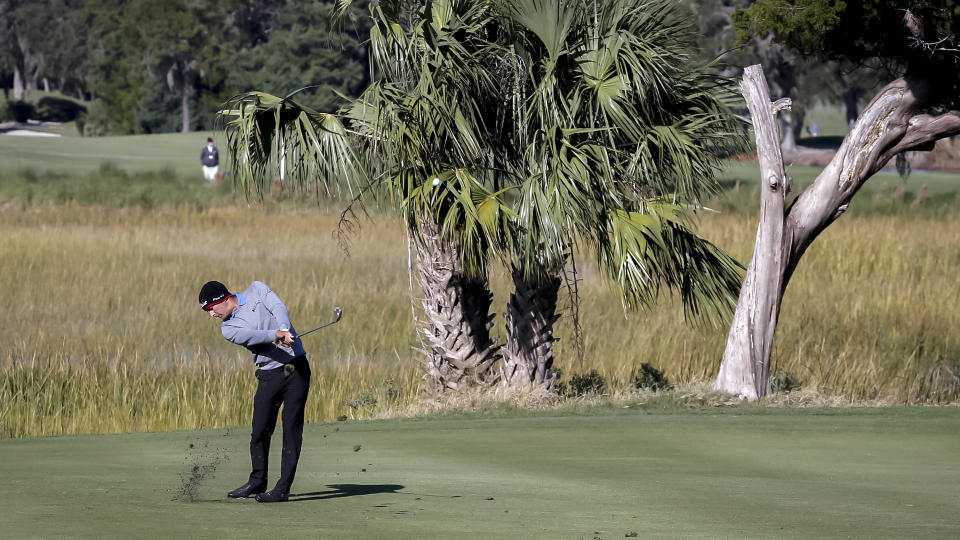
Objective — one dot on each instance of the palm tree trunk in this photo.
(531, 314)
(455, 337)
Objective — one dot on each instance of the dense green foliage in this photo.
(153, 67)
(303, 51)
(918, 39)
(857, 30)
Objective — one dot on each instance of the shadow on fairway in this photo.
(345, 490)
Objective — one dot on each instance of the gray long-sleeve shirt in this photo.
(255, 323)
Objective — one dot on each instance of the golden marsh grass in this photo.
(101, 331)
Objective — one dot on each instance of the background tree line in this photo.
(142, 66)
(150, 67)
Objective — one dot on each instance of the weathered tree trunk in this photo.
(890, 124)
(457, 347)
(743, 370)
(185, 107)
(30, 64)
(531, 314)
(17, 84)
(788, 144)
(850, 98)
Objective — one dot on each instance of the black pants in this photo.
(288, 386)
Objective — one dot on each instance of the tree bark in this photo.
(455, 336)
(788, 143)
(17, 84)
(850, 105)
(30, 63)
(743, 370)
(185, 107)
(890, 124)
(531, 314)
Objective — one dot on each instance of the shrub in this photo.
(392, 392)
(96, 120)
(81, 122)
(650, 378)
(54, 109)
(364, 401)
(586, 383)
(782, 381)
(20, 111)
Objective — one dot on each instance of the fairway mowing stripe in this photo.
(86, 155)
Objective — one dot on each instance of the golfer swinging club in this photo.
(258, 320)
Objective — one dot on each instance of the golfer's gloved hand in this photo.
(284, 337)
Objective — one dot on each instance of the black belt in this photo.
(289, 367)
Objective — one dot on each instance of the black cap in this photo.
(212, 293)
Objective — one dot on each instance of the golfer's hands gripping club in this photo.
(284, 337)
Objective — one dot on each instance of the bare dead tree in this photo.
(893, 122)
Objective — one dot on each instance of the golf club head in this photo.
(337, 313)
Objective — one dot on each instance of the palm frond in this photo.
(339, 9)
(651, 250)
(544, 122)
(550, 21)
(271, 137)
(707, 278)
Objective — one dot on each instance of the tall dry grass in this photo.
(870, 313)
(102, 333)
(102, 330)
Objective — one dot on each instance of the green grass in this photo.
(179, 152)
(745, 472)
(831, 120)
(937, 184)
(110, 186)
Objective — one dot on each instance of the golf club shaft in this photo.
(336, 313)
(315, 329)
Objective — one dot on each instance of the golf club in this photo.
(337, 312)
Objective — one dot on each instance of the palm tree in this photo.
(517, 130)
(619, 135)
(416, 132)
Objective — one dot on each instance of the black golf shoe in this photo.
(246, 490)
(273, 496)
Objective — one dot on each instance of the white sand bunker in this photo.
(28, 133)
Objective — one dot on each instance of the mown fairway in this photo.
(734, 473)
(138, 153)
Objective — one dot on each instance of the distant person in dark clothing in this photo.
(210, 159)
(258, 320)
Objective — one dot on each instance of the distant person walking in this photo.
(210, 159)
(258, 320)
